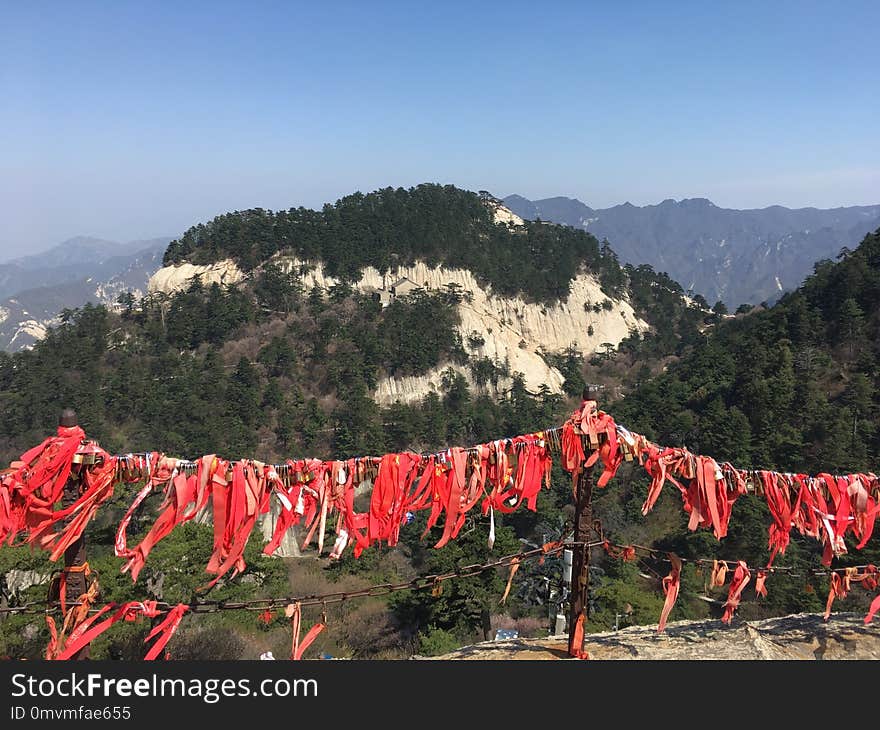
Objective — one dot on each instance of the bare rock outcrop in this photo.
(170, 279)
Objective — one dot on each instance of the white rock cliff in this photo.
(514, 331)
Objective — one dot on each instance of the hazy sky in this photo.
(133, 120)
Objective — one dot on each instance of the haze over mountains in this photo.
(738, 256)
(35, 289)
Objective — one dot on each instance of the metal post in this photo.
(75, 556)
(580, 573)
(583, 521)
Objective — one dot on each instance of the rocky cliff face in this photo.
(509, 331)
(170, 279)
(503, 214)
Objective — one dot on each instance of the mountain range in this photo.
(36, 288)
(736, 256)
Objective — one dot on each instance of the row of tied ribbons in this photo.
(319, 494)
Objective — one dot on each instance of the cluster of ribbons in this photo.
(32, 487)
(823, 507)
(741, 577)
(30, 492)
(81, 627)
(319, 495)
(841, 581)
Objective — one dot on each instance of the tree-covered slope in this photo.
(794, 387)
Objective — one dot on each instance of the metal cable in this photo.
(662, 555)
(380, 589)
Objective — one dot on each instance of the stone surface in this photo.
(799, 636)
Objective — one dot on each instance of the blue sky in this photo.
(129, 120)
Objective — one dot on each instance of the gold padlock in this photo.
(87, 454)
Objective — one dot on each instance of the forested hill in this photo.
(271, 367)
(531, 290)
(795, 387)
(393, 227)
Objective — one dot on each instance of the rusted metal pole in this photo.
(74, 577)
(580, 569)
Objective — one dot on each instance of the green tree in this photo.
(852, 320)
(462, 607)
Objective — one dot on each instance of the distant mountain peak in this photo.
(86, 241)
(79, 270)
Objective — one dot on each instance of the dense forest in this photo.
(794, 387)
(270, 370)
